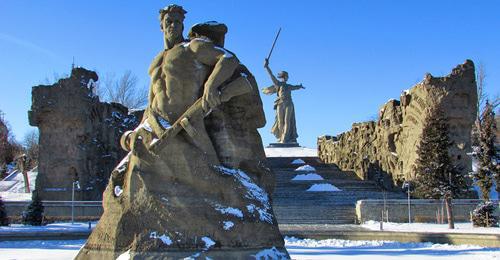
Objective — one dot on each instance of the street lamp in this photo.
(77, 184)
(406, 186)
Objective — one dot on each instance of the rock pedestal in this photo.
(182, 202)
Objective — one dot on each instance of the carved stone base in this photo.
(228, 253)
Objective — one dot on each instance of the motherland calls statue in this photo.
(194, 183)
(284, 127)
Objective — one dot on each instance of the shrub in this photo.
(4, 219)
(483, 215)
(33, 215)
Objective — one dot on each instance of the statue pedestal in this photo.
(283, 145)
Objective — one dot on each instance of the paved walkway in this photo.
(313, 231)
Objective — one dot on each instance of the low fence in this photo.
(341, 232)
(426, 211)
(58, 210)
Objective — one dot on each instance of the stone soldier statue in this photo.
(284, 127)
(189, 186)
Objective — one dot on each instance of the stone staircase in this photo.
(294, 205)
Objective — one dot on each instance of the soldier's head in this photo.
(283, 75)
(213, 30)
(172, 24)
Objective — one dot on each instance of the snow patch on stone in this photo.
(228, 225)
(298, 161)
(229, 211)
(213, 23)
(208, 242)
(118, 191)
(166, 240)
(271, 253)
(323, 187)
(226, 55)
(122, 166)
(154, 141)
(251, 208)
(163, 122)
(254, 192)
(124, 256)
(305, 168)
(307, 177)
(145, 125)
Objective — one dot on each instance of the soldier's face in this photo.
(172, 25)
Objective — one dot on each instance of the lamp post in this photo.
(406, 185)
(77, 184)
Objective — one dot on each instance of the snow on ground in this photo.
(429, 227)
(271, 253)
(381, 250)
(291, 152)
(371, 225)
(14, 196)
(305, 168)
(323, 187)
(54, 227)
(12, 187)
(38, 249)
(14, 182)
(307, 177)
(298, 248)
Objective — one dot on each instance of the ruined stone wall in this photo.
(388, 147)
(79, 136)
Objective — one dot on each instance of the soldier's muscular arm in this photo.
(224, 64)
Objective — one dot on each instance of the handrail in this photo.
(425, 201)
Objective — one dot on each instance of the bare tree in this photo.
(125, 90)
(30, 143)
(481, 95)
(4, 139)
(9, 148)
(55, 78)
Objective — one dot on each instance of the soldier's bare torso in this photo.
(177, 81)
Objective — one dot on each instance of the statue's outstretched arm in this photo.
(269, 90)
(296, 87)
(224, 64)
(273, 78)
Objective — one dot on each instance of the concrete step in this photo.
(293, 204)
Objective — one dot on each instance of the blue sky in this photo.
(352, 56)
